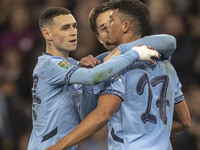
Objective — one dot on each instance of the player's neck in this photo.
(129, 38)
(55, 52)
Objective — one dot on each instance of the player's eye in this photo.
(65, 27)
(103, 28)
(75, 25)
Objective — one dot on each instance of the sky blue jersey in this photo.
(53, 101)
(144, 118)
(163, 43)
(55, 98)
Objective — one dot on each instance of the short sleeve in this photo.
(58, 71)
(178, 93)
(115, 86)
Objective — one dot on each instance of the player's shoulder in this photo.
(140, 65)
(49, 59)
(167, 65)
(48, 63)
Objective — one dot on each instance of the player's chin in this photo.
(72, 49)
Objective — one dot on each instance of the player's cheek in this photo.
(61, 40)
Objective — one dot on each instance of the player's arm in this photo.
(92, 123)
(165, 44)
(106, 70)
(182, 118)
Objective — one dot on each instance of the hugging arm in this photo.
(165, 44)
(92, 123)
(106, 70)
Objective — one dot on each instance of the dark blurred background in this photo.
(21, 43)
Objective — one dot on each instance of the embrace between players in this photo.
(138, 94)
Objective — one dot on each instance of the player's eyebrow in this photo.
(65, 26)
(68, 25)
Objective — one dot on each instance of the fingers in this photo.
(150, 47)
(159, 55)
(155, 54)
(93, 60)
(145, 53)
(89, 62)
(153, 62)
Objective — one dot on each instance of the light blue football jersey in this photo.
(53, 100)
(163, 43)
(144, 118)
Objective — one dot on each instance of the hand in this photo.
(146, 52)
(89, 62)
(112, 54)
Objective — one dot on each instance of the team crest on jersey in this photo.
(64, 64)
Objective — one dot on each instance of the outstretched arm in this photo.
(104, 71)
(165, 44)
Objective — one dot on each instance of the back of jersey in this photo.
(144, 119)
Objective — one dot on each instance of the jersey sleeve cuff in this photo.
(69, 74)
(113, 92)
(179, 99)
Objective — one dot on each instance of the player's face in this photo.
(64, 33)
(102, 23)
(109, 26)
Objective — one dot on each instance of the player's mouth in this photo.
(73, 41)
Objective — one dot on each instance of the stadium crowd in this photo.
(21, 43)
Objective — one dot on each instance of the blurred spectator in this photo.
(5, 128)
(87, 43)
(17, 121)
(20, 33)
(15, 70)
(184, 55)
(159, 10)
(167, 17)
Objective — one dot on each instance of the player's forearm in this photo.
(182, 119)
(177, 127)
(163, 43)
(103, 71)
(106, 70)
(94, 122)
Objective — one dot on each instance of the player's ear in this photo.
(47, 34)
(99, 39)
(126, 26)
